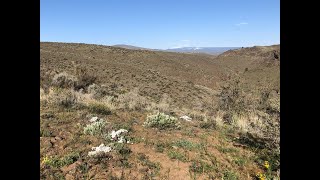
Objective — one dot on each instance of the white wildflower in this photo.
(187, 118)
(121, 140)
(96, 150)
(115, 134)
(93, 119)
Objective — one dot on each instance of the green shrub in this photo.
(60, 162)
(95, 128)
(160, 147)
(272, 156)
(45, 133)
(201, 167)
(146, 162)
(240, 161)
(187, 145)
(177, 155)
(162, 121)
(70, 158)
(122, 149)
(99, 109)
(229, 175)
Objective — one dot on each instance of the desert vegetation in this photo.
(93, 127)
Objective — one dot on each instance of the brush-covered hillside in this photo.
(116, 113)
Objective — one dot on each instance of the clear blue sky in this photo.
(162, 23)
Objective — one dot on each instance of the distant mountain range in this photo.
(129, 46)
(207, 50)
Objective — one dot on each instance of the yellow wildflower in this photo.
(261, 176)
(266, 164)
(45, 160)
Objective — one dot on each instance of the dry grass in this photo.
(64, 80)
(149, 82)
(132, 101)
(218, 118)
(61, 97)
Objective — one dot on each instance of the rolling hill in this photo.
(219, 115)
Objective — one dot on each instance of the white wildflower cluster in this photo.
(96, 127)
(161, 121)
(102, 149)
(119, 136)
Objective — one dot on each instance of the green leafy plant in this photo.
(229, 175)
(95, 128)
(177, 155)
(185, 144)
(154, 167)
(60, 162)
(162, 121)
(201, 167)
(45, 133)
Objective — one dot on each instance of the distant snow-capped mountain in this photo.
(207, 50)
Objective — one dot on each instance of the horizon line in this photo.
(155, 48)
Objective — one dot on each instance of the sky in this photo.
(162, 24)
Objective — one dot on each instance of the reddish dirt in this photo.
(173, 169)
